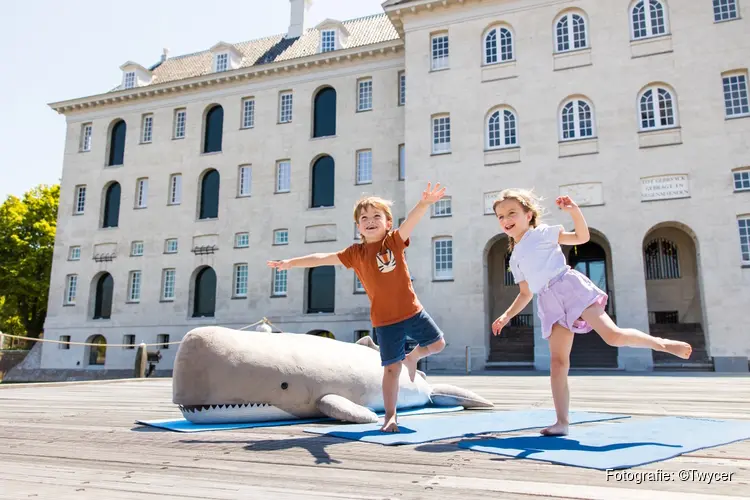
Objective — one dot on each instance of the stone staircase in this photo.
(692, 333)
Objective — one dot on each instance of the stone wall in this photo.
(9, 359)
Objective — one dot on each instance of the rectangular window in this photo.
(285, 107)
(742, 180)
(248, 112)
(442, 208)
(364, 167)
(735, 95)
(222, 62)
(401, 88)
(279, 282)
(327, 40)
(130, 80)
(241, 240)
(744, 227)
(180, 116)
(134, 286)
(175, 189)
(129, 341)
(283, 176)
(364, 100)
(401, 162)
(136, 249)
(358, 286)
(244, 181)
(147, 128)
(74, 253)
(80, 199)
(724, 10)
(71, 287)
(86, 130)
(281, 237)
(66, 345)
(170, 245)
(240, 280)
(443, 257)
(439, 51)
(167, 284)
(141, 193)
(163, 340)
(441, 134)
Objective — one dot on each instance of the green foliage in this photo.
(27, 236)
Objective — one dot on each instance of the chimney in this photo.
(297, 17)
(165, 55)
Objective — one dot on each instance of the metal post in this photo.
(468, 359)
(141, 359)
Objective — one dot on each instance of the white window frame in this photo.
(240, 280)
(439, 144)
(402, 88)
(180, 123)
(501, 129)
(443, 207)
(358, 286)
(578, 129)
(327, 41)
(569, 32)
(655, 108)
(129, 340)
(741, 178)
(244, 180)
(134, 286)
(169, 242)
(445, 245)
(248, 113)
(497, 51)
(80, 200)
(242, 240)
(141, 192)
(279, 282)
(439, 51)
(65, 343)
(86, 132)
(364, 166)
(280, 237)
(71, 289)
(283, 176)
(743, 222)
(136, 248)
(163, 340)
(649, 22)
(402, 162)
(168, 284)
(147, 128)
(740, 86)
(175, 189)
(128, 80)
(286, 106)
(74, 253)
(726, 10)
(222, 62)
(364, 94)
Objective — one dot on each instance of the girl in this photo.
(568, 301)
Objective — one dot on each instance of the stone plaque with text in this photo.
(665, 187)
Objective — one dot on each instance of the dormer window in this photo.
(328, 40)
(226, 57)
(134, 75)
(333, 35)
(130, 79)
(222, 62)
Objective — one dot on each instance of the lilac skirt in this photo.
(565, 298)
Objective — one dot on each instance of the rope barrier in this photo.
(264, 320)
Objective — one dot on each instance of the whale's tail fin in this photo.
(450, 395)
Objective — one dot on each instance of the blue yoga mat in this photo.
(619, 445)
(182, 425)
(423, 430)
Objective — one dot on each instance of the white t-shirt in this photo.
(538, 258)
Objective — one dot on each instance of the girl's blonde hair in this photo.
(376, 203)
(528, 200)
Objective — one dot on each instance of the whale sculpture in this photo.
(223, 375)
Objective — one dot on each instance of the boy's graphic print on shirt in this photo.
(386, 262)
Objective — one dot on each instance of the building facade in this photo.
(194, 172)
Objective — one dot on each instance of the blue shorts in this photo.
(392, 338)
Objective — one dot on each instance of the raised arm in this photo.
(312, 260)
(429, 196)
(580, 234)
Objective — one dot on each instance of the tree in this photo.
(27, 241)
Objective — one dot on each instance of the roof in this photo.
(362, 31)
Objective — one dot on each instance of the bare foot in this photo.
(679, 349)
(555, 430)
(411, 366)
(390, 424)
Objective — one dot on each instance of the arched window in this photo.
(648, 18)
(105, 286)
(111, 215)
(321, 289)
(97, 353)
(571, 32)
(658, 108)
(661, 260)
(323, 173)
(117, 143)
(501, 129)
(204, 298)
(214, 129)
(209, 195)
(576, 120)
(324, 113)
(494, 53)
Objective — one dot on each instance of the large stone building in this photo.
(182, 182)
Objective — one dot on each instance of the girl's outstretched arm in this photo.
(312, 260)
(580, 234)
(518, 305)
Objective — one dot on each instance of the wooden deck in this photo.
(79, 441)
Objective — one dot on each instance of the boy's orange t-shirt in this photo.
(382, 269)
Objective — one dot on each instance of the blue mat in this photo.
(182, 425)
(423, 430)
(619, 445)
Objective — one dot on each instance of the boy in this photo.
(395, 310)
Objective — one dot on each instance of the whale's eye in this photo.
(284, 385)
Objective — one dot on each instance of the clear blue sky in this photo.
(52, 50)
